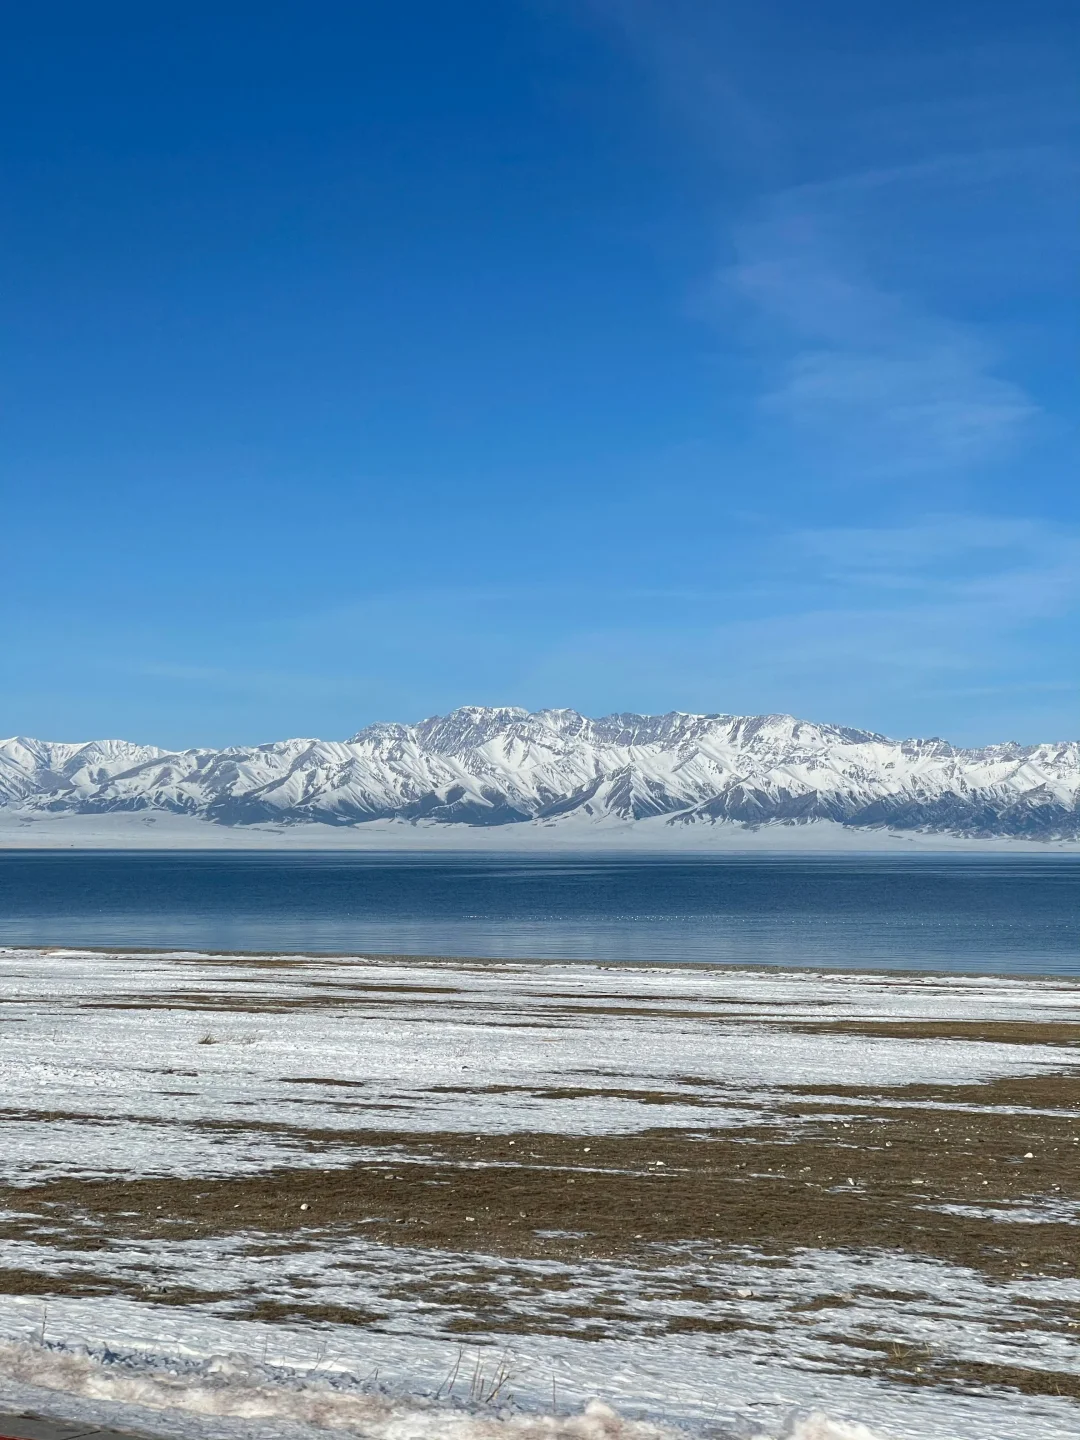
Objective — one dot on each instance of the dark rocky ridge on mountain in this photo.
(484, 767)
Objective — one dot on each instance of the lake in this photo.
(970, 912)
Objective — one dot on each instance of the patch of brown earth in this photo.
(1034, 1092)
(997, 1032)
(856, 1180)
(922, 1365)
(80, 1283)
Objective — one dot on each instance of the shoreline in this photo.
(391, 959)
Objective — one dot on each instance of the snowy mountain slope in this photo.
(480, 766)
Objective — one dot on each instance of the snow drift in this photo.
(202, 1393)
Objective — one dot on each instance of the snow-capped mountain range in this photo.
(482, 767)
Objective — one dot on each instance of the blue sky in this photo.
(359, 361)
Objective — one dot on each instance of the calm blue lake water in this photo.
(971, 913)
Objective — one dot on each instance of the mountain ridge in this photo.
(485, 766)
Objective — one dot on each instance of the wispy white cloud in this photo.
(954, 168)
(895, 627)
(956, 593)
(878, 385)
(872, 377)
(961, 624)
(948, 553)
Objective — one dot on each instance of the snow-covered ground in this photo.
(145, 1099)
(30, 830)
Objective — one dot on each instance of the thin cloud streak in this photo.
(903, 629)
(886, 622)
(871, 384)
(879, 386)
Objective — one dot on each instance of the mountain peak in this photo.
(497, 765)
